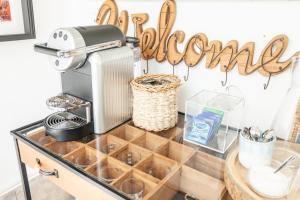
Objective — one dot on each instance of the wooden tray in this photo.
(235, 177)
(168, 168)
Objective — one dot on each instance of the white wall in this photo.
(25, 82)
(26, 79)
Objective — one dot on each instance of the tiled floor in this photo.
(41, 189)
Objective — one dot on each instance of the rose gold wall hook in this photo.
(266, 85)
(147, 66)
(224, 83)
(173, 66)
(186, 77)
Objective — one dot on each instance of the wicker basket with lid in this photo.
(155, 101)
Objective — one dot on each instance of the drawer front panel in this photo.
(67, 180)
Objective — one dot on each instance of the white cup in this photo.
(252, 153)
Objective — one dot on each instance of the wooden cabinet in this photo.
(66, 179)
(169, 169)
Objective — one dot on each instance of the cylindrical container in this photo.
(133, 43)
(286, 122)
(265, 182)
(252, 153)
(155, 101)
(133, 188)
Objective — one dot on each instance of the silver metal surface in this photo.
(289, 159)
(56, 44)
(112, 71)
(68, 48)
(89, 49)
(43, 48)
(64, 120)
(66, 102)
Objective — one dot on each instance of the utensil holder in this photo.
(252, 153)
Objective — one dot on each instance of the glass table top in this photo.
(138, 164)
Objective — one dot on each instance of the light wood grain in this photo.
(149, 185)
(68, 181)
(201, 185)
(150, 141)
(161, 44)
(166, 167)
(127, 132)
(236, 177)
(207, 164)
(176, 151)
(108, 13)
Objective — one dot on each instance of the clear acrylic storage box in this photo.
(212, 120)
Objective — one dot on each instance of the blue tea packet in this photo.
(205, 126)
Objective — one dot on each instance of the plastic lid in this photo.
(133, 40)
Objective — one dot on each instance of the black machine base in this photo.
(71, 134)
(65, 126)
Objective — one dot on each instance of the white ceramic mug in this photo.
(255, 153)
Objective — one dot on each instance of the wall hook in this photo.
(226, 78)
(147, 67)
(266, 85)
(186, 78)
(173, 66)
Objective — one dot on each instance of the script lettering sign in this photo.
(161, 44)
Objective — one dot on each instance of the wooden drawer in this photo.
(67, 180)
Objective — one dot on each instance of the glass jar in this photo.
(282, 184)
(286, 119)
(133, 43)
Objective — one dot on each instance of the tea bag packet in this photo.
(205, 126)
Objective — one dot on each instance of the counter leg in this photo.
(23, 172)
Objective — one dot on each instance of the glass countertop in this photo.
(137, 164)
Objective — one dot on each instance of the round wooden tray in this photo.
(235, 177)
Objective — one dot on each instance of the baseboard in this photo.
(17, 186)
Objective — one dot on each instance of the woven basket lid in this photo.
(156, 83)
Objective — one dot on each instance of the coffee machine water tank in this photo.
(96, 66)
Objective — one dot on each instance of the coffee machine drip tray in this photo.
(66, 126)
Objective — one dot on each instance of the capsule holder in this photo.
(84, 157)
(166, 165)
(175, 151)
(131, 154)
(127, 132)
(150, 141)
(63, 148)
(107, 144)
(108, 170)
(39, 137)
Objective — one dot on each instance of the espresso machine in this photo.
(96, 68)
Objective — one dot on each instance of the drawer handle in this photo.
(45, 172)
(189, 197)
